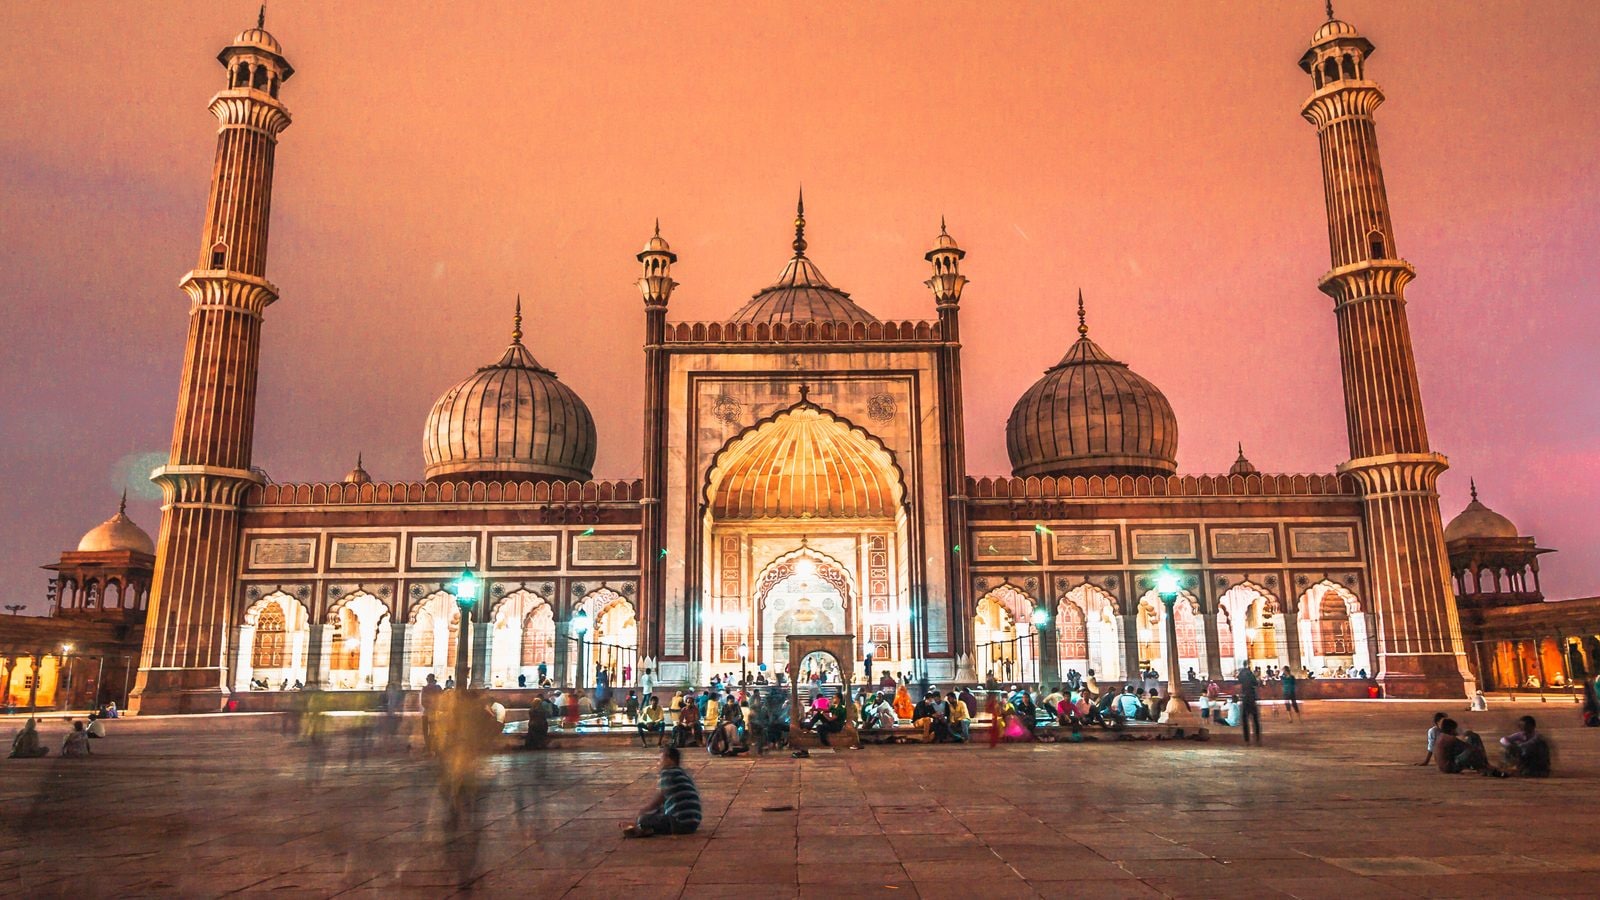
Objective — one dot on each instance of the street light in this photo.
(744, 667)
(465, 588)
(580, 624)
(1167, 586)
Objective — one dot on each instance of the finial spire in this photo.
(942, 229)
(122, 508)
(261, 16)
(516, 323)
(1241, 449)
(1083, 326)
(805, 391)
(358, 460)
(1330, 10)
(800, 224)
(1474, 483)
(658, 226)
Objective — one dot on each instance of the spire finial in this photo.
(1083, 326)
(122, 508)
(261, 16)
(358, 460)
(1330, 10)
(1474, 483)
(805, 392)
(942, 229)
(516, 323)
(800, 224)
(1241, 449)
(658, 226)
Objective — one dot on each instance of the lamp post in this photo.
(1041, 625)
(1167, 587)
(465, 588)
(580, 625)
(744, 663)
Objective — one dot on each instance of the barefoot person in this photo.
(675, 808)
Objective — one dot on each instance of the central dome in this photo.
(801, 293)
(1479, 522)
(510, 420)
(1092, 415)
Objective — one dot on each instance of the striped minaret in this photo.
(208, 470)
(1419, 636)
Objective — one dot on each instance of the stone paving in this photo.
(1332, 807)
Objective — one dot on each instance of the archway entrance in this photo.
(803, 592)
(1005, 640)
(840, 649)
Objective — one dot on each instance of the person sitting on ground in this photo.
(1480, 703)
(1462, 752)
(881, 715)
(725, 740)
(675, 808)
(688, 727)
(1232, 712)
(1125, 707)
(960, 718)
(76, 745)
(651, 720)
(97, 726)
(1527, 752)
(1026, 714)
(1433, 738)
(26, 745)
(1152, 705)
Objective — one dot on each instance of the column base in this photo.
(177, 691)
(1434, 676)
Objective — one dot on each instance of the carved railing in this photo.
(377, 492)
(800, 332)
(1047, 487)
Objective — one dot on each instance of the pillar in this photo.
(237, 653)
(317, 656)
(1129, 628)
(1213, 659)
(480, 654)
(399, 657)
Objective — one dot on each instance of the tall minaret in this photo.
(1419, 635)
(208, 471)
(655, 285)
(947, 283)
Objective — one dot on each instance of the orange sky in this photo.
(446, 156)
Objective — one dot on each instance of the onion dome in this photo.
(658, 244)
(801, 293)
(260, 40)
(1242, 466)
(258, 37)
(1092, 415)
(358, 475)
(1334, 31)
(1478, 522)
(117, 533)
(511, 419)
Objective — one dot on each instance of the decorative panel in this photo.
(1160, 543)
(441, 552)
(538, 550)
(878, 573)
(605, 550)
(1243, 543)
(731, 566)
(1002, 545)
(362, 553)
(1085, 544)
(283, 553)
(1322, 542)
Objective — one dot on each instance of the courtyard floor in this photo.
(1331, 807)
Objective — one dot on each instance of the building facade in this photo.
(803, 473)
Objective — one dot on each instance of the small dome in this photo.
(1334, 28)
(358, 475)
(511, 419)
(1092, 415)
(117, 533)
(1478, 522)
(1242, 466)
(258, 37)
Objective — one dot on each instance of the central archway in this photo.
(804, 471)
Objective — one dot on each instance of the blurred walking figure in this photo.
(1249, 709)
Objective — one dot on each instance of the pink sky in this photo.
(446, 156)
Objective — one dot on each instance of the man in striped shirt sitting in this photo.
(675, 808)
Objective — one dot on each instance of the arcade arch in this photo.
(613, 638)
(1152, 633)
(358, 648)
(1004, 637)
(272, 643)
(523, 637)
(1255, 628)
(1087, 635)
(1334, 630)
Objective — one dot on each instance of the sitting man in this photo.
(1127, 707)
(1461, 752)
(688, 728)
(652, 720)
(725, 740)
(922, 719)
(960, 718)
(1527, 752)
(26, 745)
(675, 808)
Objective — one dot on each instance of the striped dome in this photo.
(1092, 415)
(509, 420)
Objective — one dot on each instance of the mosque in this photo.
(804, 473)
